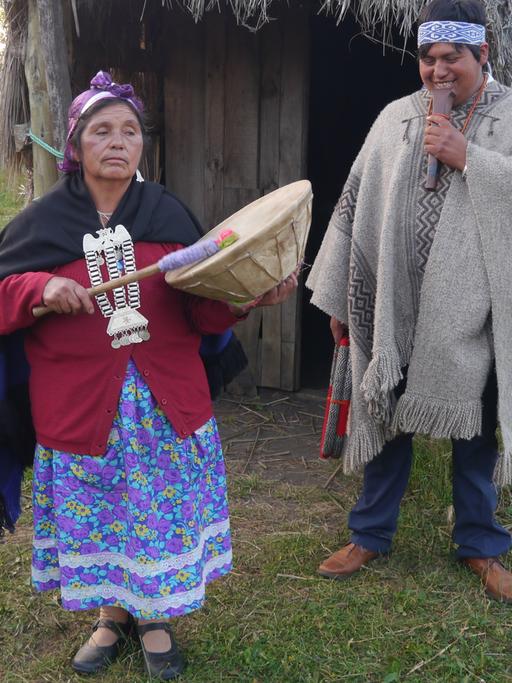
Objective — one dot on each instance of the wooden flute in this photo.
(442, 103)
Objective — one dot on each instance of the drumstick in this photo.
(442, 103)
(183, 257)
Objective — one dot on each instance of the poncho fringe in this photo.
(382, 376)
(437, 417)
(365, 444)
(503, 469)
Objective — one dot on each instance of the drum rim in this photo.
(174, 276)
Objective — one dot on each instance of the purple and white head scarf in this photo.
(102, 87)
(460, 32)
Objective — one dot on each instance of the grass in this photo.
(416, 617)
(12, 197)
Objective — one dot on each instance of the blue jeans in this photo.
(373, 520)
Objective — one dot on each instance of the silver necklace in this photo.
(104, 217)
(115, 248)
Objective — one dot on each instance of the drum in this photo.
(272, 233)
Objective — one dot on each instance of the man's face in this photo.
(446, 67)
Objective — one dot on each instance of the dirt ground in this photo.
(276, 435)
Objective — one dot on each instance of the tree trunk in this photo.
(55, 53)
(45, 169)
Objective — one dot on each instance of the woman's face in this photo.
(111, 144)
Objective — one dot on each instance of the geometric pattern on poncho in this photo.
(361, 300)
(362, 285)
(346, 206)
(428, 213)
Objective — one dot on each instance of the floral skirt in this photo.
(145, 526)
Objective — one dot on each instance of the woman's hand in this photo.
(445, 142)
(63, 295)
(280, 292)
(338, 329)
(276, 295)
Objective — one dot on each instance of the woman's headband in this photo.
(451, 32)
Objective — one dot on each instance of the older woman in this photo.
(130, 506)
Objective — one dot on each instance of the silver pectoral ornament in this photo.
(127, 326)
(115, 248)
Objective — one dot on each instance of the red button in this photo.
(146, 373)
(164, 401)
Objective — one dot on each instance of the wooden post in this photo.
(292, 164)
(55, 54)
(45, 169)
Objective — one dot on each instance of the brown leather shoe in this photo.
(496, 579)
(346, 561)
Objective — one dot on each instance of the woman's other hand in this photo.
(338, 329)
(63, 295)
(276, 295)
(280, 292)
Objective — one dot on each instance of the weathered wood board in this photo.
(236, 121)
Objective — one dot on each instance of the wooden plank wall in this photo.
(236, 128)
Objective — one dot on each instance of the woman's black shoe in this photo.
(92, 658)
(163, 666)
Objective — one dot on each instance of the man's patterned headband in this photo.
(451, 32)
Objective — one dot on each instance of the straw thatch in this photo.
(250, 13)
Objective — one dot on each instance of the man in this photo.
(422, 280)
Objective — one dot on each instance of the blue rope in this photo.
(45, 145)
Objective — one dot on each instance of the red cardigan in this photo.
(76, 376)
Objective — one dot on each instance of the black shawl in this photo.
(49, 232)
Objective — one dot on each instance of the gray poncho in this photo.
(424, 279)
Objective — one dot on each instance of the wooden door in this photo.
(235, 129)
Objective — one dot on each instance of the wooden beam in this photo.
(44, 164)
(292, 165)
(55, 54)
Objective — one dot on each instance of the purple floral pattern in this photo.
(145, 526)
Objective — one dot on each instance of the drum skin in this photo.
(272, 233)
